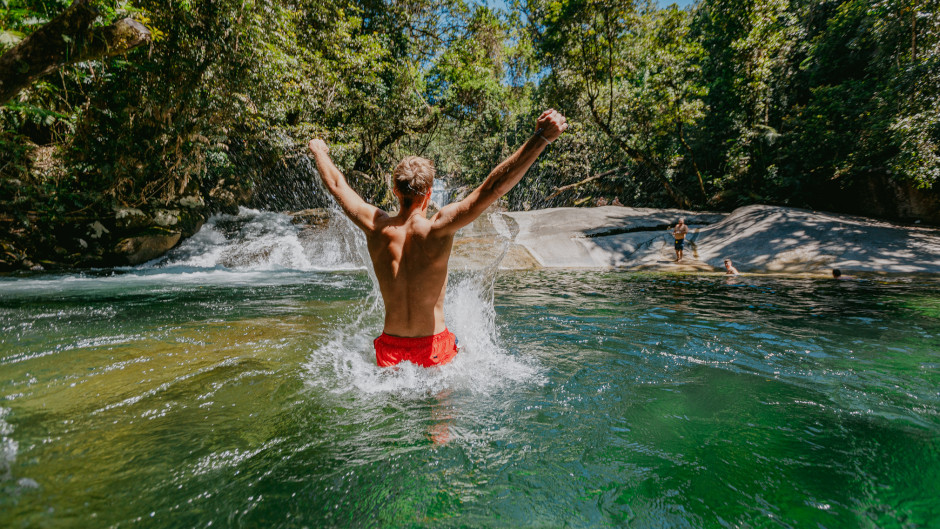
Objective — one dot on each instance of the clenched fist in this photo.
(550, 125)
(317, 145)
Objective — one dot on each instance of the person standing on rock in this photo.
(409, 251)
(678, 233)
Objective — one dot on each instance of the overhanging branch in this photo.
(66, 39)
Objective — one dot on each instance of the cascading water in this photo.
(439, 193)
(256, 240)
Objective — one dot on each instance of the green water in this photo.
(224, 399)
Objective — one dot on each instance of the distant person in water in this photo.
(410, 252)
(730, 269)
(837, 274)
(678, 233)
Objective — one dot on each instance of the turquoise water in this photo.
(196, 397)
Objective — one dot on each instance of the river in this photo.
(233, 384)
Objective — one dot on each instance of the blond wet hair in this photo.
(414, 176)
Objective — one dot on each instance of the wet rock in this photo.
(142, 248)
(315, 217)
(227, 195)
(130, 218)
(190, 221)
(193, 201)
(488, 242)
(166, 217)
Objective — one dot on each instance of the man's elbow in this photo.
(492, 192)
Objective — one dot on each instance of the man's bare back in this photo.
(410, 261)
(409, 251)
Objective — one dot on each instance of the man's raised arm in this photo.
(358, 210)
(504, 177)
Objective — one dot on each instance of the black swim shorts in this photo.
(680, 244)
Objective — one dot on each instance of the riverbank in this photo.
(759, 239)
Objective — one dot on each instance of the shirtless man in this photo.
(410, 252)
(679, 234)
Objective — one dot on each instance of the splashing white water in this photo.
(347, 361)
(264, 240)
(8, 447)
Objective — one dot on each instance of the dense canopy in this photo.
(825, 104)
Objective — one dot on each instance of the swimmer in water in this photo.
(409, 251)
(730, 269)
(837, 274)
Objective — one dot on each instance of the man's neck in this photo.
(414, 209)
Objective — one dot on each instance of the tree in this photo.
(632, 69)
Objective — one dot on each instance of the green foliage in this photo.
(727, 103)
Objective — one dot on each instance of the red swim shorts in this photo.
(426, 351)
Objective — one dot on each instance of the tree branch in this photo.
(562, 189)
(66, 39)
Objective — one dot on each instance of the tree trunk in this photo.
(66, 39)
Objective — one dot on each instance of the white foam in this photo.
(262, 241)
(8, 447)
(346, 363)
(169, 278)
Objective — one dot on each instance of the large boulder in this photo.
(487, 243)
(777, 239)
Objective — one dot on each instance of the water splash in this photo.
(259, 241)
(8, 447)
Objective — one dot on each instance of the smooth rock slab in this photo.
(757, 238)
(604, 237)
(777, 239)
